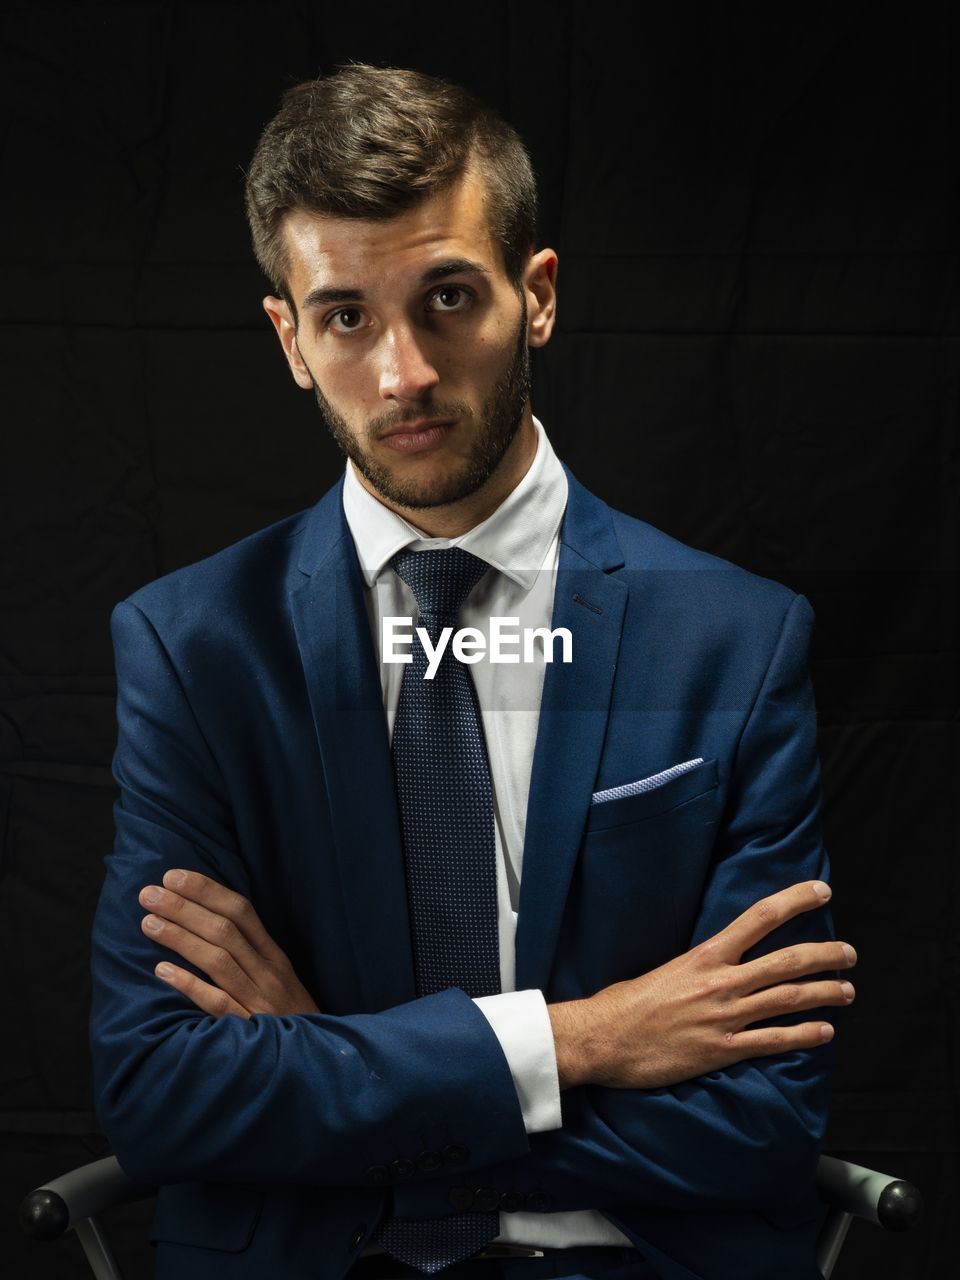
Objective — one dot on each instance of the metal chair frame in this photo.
(74, 1202)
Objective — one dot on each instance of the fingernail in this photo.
(151, 894)
(826, 1031)
(164, 970)
(822, 890)
(849, 952)
(847, 989)
(174, 879)
(152, 923)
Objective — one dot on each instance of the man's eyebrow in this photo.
(454, 267)
(442, 271)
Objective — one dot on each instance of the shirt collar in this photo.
(515, 538)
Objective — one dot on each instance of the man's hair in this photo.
(374, 142)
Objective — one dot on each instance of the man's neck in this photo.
(455, 518)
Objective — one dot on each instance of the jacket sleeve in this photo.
(311, 1098)
(748, 1135)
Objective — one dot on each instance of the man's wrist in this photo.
(574, 1041)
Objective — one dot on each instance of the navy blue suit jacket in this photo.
(253, 747)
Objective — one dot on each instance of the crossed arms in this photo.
(684, 1019)
(227, 1069)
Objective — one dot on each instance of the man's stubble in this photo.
(501, 414)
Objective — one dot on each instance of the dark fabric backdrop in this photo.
(756, 215)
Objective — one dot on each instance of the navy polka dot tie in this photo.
(446, 819)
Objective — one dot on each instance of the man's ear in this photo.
(279, 313)
(540, 286)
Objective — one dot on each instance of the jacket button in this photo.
(511, 1201)
(461, 1198)
(429, 1161)
(455, 1154)
(378, 1174)
(537, 1202)
(403, 1169)
(485, 1199)
(359, 1231)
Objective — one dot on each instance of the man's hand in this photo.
(219, 931)
(688, 1017)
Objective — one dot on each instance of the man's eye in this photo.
(448, 289)
(345, 311)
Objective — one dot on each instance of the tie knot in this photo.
(440, 579)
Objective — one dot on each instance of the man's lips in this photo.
(411, 437)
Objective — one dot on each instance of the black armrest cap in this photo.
(900, 1206)
(43, 1215)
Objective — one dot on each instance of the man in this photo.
(494, 969)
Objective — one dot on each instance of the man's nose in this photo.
(406, 373)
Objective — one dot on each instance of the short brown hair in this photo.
(373, 142)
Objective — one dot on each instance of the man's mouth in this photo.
(410, 437)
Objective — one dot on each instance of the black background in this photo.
(755, 209)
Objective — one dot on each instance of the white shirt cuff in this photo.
(522, 1025)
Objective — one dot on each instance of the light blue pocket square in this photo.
(646, 784)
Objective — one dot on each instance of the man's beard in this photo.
(500, 418)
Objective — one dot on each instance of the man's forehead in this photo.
(352, 254)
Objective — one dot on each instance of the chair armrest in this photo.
(878, 1197)
(54, 1208)
(49, 1211)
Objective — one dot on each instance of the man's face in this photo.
(486, 434)
(412, 322)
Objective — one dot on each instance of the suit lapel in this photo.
(572, 725)
(339, 663)
(333, 633)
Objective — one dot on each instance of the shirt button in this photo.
(455, 1154)
(403, 1169)
(485, 1199)
(461, 1198)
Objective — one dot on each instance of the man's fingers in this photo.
(207, 998)
(224, 902)
(218, 930)
(216, 962)
(765, 1042)
(764, 916)
(221, 901)
(794, 996)
(799, 961)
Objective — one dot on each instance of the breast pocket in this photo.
(639, 875)
(605, 814)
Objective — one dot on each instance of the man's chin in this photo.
(424, 495)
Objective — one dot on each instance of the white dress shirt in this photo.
(521, 541)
